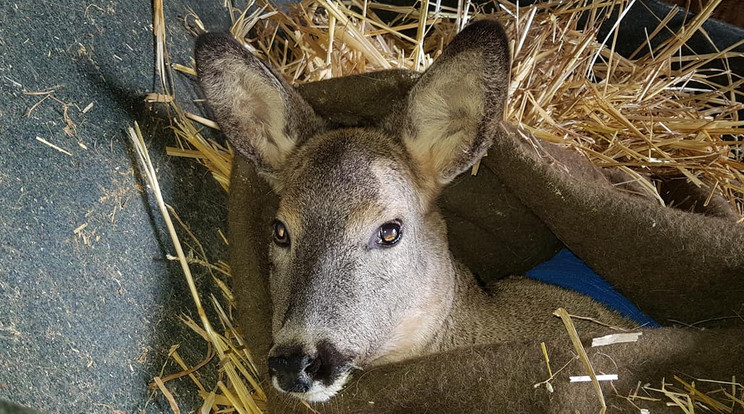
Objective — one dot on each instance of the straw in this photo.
(657, 115)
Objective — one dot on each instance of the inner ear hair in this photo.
(455, 106)
(261, 115)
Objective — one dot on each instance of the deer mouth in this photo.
(315, 376)
(318, 391)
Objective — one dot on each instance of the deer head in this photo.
(360, 268)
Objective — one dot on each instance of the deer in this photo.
(361, 274)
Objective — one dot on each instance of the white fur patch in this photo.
(318, 392)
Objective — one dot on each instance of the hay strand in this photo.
(583, 357)
(241, 397)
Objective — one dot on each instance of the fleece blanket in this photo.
(540, 209)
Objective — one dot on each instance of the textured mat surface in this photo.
(87, 317)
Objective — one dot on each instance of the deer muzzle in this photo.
(314, 375)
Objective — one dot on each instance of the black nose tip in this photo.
(293, 371)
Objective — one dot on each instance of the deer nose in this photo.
(294, 371)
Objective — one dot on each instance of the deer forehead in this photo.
(347, 181)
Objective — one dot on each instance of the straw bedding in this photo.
(658, 113)
(655, 115)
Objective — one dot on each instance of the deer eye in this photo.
(281, 235)
(389, 234)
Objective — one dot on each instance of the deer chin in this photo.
(318, 392)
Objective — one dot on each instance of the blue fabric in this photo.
(570, 272)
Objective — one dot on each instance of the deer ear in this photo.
(462, 93)
(262, 116)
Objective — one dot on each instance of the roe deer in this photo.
(361, 273)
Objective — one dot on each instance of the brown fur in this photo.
(495, 236)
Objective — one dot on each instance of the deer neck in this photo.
(462, 314)
(469, 316)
